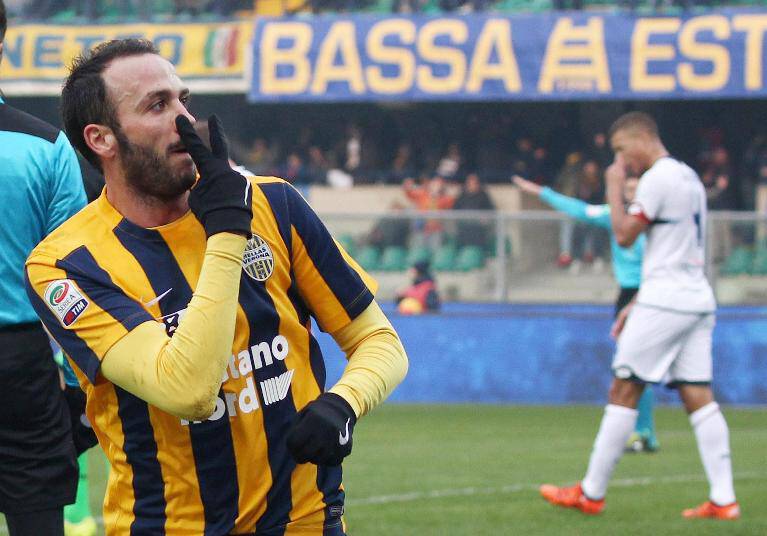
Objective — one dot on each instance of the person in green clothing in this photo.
(627, 268)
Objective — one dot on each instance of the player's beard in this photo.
(150, 174)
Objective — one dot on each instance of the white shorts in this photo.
(661, 345)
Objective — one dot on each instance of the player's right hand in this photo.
(526, 186)
(322, 431)
(221, 199)
(620, 321)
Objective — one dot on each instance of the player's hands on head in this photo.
(526, 186)
(322, 431)
(221, 199)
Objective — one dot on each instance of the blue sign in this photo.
(548, 354)
(578, 56)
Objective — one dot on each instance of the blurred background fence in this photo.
(513, 257)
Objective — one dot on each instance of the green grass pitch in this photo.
(474, 470)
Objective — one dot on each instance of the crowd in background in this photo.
(446, 174)
(116, 10)
(576, 172)
(125, 10)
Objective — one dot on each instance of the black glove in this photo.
(322, 431)
(221, 199)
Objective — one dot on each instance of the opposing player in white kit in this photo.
(667, 332)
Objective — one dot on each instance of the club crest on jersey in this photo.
(258, 260)
(65, 300)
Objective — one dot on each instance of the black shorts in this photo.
(626, 295)
(38, 465)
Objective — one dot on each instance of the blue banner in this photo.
(549, 354)
(569, 56)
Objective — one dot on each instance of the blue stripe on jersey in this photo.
(327, 258)
(82, 268)
(317, 362)
(74, 346)
(329, 483)
(212, 446)
(275, 195)
(141, 454)
(264, 325)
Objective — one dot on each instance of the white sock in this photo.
(714, 446)
(617, 424)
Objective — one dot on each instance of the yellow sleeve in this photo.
(377, 360)
(182, 375)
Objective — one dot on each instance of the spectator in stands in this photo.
(226, 8)
(588, 239)
(188, 8)
(561, 5)
(540, 168)
(474, 196)
(600, 151)
(317, 169)
(402, 166)
(717, 178)
(352, 151)
(754, 170)
(260, 157)
(431, 196)
(523, 160)
(293, 170)
(567, 184)
(450, 163)
(422, 295)
(391, 230)
(43, 9)
(408, 6)
(720, 195)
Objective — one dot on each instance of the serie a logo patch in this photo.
(65, 300)
(258, 260)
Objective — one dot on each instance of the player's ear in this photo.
(101, 140)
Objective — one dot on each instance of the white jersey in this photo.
(672, 200)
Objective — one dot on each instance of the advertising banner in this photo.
(567, 56)
(210, 58)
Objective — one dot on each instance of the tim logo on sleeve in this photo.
(65, 300)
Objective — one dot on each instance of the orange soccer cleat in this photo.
(572, 497)
(728, 512)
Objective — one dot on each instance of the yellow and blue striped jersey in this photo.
(99, 276)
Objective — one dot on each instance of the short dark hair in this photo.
(635, 120)
(84, 98)
(3, 21)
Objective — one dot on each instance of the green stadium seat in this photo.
(379, 6)
(740, 261)
(347, 242)
(492, 246)
(65, 16)
(418, 254)
(393, 259)
(470, 258)
(368, 257)
(444, 258)
(759, 266)
(431, 7)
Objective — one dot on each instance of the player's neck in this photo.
(656, 152)
(145, 211)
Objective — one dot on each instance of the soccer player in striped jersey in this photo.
(185, 309)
